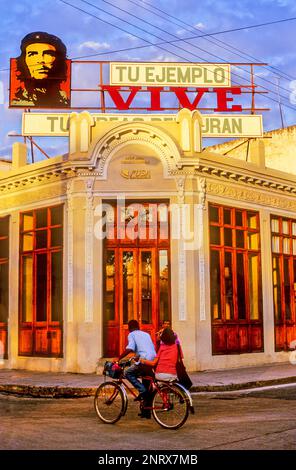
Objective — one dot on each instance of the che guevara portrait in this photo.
(40, 76)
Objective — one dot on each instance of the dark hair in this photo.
(59, 70)
(168, 336)
(133, 325)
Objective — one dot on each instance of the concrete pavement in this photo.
(69, 385)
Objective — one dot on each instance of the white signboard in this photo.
(214, 125)
(169, 74)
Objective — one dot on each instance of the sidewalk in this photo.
(68, 385)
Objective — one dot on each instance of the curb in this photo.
(242, 386)
(46, 392)
(82, 392)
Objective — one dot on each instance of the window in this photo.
(4, 284)
(41, 278)
(283, 243)
(235, 275)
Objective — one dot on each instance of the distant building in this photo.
(229, 290)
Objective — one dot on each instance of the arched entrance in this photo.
(136, 270)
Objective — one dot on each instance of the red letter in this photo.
(117, 98)
(222, 99)
(155, 98)
(180, 92)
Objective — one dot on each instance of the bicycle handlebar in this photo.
(126, 363)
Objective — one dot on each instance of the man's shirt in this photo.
(142, 344)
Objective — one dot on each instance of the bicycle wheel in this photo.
(170, 407)
(109, 402)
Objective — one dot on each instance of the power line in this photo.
(149, 43)
(121, 19)
(197, 29)
(158, 44)
(153, 44)
(127, 22)
(196, 47)
(126, 31)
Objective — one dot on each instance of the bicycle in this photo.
(171, 402)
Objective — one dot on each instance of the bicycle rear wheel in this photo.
(170, 407)
(109, 402)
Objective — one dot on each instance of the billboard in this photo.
(213, 125)
(169, 74)
(41, 76)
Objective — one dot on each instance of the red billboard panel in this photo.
(41, 76)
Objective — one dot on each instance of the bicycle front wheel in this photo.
(170, 407)
(109, 402)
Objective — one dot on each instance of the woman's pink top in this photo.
(167, 358)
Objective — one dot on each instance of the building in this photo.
(216, 253)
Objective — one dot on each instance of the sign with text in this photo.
(169, 74)
(214, 125)
(41, 77)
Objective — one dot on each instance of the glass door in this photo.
(136, 278)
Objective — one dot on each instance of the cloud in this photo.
(200, 25)
(12, 132)
(94, 46)
(130, 37)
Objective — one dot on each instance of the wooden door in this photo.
(130, 293)
(235, 268)
(136, 285)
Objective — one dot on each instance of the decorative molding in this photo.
(248, 195)
(33, 196)
(202, 189)
(201, 263)
(180, 183)
(182, 254)
(116, 144)
(135, 174)
(89, 237)
(233, 175)
(15, 184)
(70, 250)
(138, 133)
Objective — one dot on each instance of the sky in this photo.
(85, 35)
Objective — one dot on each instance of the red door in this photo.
(41, 283)
(136, 286)
(284, 281)
(235, 267)
(4, 285)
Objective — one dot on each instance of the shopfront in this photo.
(132, 224)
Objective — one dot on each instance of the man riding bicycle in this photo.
(141, 344)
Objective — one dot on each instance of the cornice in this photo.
(36, 177)
(252, 178)
(240, 193)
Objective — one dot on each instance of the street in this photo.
(264, 419)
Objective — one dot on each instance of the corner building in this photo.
(67, 293)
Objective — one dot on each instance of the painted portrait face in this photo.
(40, 59)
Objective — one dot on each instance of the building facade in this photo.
(138, 221)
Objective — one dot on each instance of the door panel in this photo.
(136, 279)
(284, 280)
(127, 291)
(147, 291)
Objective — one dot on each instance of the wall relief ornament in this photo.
(247, 195)
(160, 143)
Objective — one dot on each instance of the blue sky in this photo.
(86, 35)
